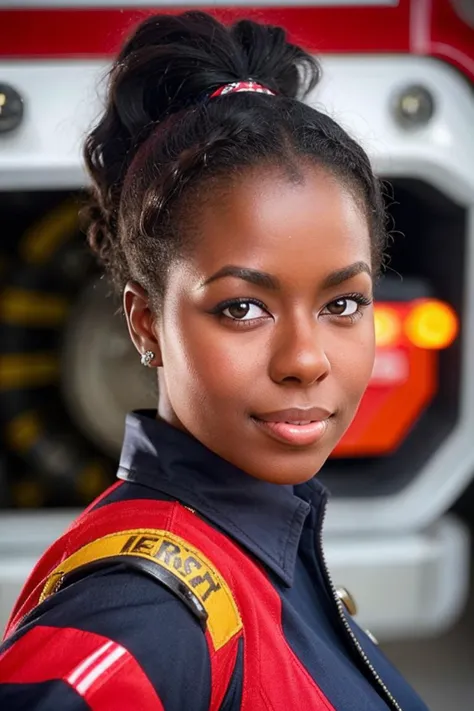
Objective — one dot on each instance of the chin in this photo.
(291, 471)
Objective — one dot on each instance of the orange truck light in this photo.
(388, 326)
(426, 323)
(431, 324)
(405, 376)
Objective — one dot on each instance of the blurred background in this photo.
(399, 76)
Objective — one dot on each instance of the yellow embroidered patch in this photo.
(175, 555)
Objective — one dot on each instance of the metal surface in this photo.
(413, 107)
(11, 108)
(440, 667)
(357, 91)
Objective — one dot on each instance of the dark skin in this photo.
(299, 333)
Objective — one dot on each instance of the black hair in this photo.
(162, 144)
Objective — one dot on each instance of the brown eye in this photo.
(243, 311)
(342, 307)
(238, 310)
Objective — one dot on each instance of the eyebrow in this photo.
(267, 281)
(346, 273)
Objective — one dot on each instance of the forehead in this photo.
(269, 220)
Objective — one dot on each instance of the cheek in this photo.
(207, 363)
(352, 360)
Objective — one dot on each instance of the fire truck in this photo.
(399, 77)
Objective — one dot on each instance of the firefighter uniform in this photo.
(191, 586)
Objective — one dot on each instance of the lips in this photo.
(295, 426)
(295, 415)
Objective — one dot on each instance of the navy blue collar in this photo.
(265, 518)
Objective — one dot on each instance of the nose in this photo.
(298, 355)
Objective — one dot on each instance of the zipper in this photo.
(342, 616)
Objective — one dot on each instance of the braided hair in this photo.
(163, 146)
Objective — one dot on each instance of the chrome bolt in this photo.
(11, 108)
(413, 107)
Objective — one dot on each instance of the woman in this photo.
(244, 231)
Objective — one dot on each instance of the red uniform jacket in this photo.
(191, 586)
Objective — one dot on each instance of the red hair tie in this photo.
(240, 86)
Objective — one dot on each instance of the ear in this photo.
(141, 321)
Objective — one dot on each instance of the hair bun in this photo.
(273, 61)
(172, 61)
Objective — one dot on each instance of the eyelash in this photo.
(360, 299)
(220, 308)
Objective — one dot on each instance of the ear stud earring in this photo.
(146, 358)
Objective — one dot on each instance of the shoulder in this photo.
(103, 623)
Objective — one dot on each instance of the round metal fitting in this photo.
(347, 600)
(413, 107)
(11, 108)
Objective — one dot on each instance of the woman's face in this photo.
(266, 336)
